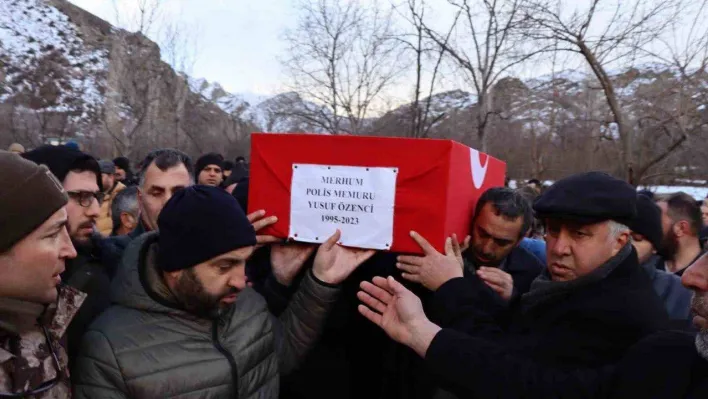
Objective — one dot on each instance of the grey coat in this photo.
(676, 297)
(145, 347)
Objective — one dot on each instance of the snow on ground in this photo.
(696, 192)
(31, 31)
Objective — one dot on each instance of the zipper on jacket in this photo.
(226, 353)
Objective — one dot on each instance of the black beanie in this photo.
(205, 160)
(241, 193)
(648, 221)
(62, 159)
(123, 163)
(200, 223)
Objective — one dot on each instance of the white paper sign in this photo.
(356, 200)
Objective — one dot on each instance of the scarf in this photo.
(702, 344)
(544, 289)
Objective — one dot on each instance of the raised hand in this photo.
(466, 244)
(433, 269)
(287, 260)
(334, 263)
(259, 222)
(389, 305)
(498, 280)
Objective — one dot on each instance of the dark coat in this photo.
(352, 357)
(665, 365)
(676, 297)
(523, 267)
(590, 326)
(112, 248)
(87, 274)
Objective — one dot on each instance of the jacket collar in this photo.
(19, 316)
(544, 289)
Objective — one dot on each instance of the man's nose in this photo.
(94, 209)
(696, 276)
(560, 245)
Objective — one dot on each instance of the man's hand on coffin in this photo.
(287, 260)
(433, 269)
(259, 222)
(334, 263)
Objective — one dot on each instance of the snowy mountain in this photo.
(47, 64)
(283, 112)
(67, 74)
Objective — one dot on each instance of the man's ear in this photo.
(172, 277)
(623, 239)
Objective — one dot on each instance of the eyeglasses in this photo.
(47, 385)
(85, 198)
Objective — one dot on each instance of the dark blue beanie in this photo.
(200, 223)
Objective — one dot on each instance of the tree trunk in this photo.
(623, 128)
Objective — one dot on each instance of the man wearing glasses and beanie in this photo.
(80, 176)
(35, 309)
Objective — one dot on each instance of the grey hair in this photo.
(616, 229)
(166, 158)
(125, 201)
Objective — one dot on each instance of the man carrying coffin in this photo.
(588, 306)
(185, 323)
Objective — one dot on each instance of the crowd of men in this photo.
(159, 284)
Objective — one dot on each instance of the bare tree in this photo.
(603, 36)
(424, 51)
(342, 57)
(486, 47)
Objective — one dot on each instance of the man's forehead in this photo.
(235, 255)
(574, 224)
(497, 224)
(85, 180)
(174, 176)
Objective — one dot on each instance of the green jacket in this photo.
(145, 347)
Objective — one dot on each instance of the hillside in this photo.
(67, 74)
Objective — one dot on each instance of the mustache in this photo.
(231, 291)
(87, 225)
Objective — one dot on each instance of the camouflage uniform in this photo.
(26, 360)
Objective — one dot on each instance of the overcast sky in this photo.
(237, 40)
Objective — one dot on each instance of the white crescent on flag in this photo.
(479, 171)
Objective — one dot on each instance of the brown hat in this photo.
(30, 194)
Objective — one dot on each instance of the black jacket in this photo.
(590, 326)
(112, 249)
(87, 274)
(407, 375)
(352, 355)
(665, 365)
(523, 267)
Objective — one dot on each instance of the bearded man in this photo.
(186, 323)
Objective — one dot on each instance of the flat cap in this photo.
(588, 198)
(107, 167)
